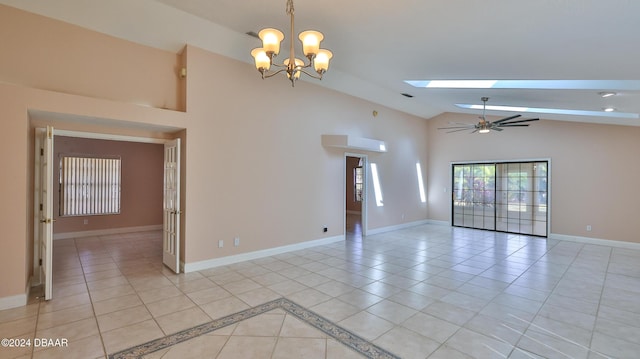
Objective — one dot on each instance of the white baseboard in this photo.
(216, 262)
(596, 241)
(396, 227)
(15, 301)
(108, 231)
(438, 223)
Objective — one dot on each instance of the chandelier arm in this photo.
(304, 66)
(279, 66)
(311, 75)
(266, 76)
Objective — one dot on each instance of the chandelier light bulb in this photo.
(263, 63)
(271, 39)
(321, 61)
(310, 42)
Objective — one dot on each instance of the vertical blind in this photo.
(89, 186)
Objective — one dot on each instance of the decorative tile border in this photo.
(353, 341)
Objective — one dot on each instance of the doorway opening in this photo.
(355, 196)
(164, 196)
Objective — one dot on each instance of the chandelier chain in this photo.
(290, 9)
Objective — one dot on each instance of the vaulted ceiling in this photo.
(377, 45)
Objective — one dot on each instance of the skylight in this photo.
(558, 111)
(469, 84)
(631, 85)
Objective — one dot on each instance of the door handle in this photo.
(47, 220)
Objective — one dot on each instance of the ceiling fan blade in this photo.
(515, 125)
(519, 121)
(496, 129)
(451, 127)
(507, 119)
(462, 129)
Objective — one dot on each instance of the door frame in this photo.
(35, 281)
(365, 192)
(549, 183)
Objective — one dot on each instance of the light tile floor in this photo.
(427, 291)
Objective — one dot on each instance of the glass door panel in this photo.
(473, 196)
(508, 197)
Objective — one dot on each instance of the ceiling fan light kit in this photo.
(484, 126)
(292, 66)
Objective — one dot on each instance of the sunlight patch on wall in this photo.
(423, 197)
(376, 185)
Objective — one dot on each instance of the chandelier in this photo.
(292, 66)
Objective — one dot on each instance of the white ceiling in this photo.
(379, 44)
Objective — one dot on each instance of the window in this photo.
(358, 183)
(89, 185)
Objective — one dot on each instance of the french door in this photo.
(171, 207)
(507, 197)
(43, 196)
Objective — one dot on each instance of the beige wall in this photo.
(142, 179)
(593, 171)
(64, 58)
(257, 169)
(252, 157)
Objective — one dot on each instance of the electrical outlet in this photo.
(86, 221)
(236, 241)
(325, 229)
(588, 228)
(220, 243)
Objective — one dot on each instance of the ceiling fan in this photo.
(484, 126)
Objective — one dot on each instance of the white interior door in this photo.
(171, 210)
(45, 230)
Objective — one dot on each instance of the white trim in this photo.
(108, 231)
(399, 226)
(216, 262)
(364, 213)
(438, 223)
(15, 301)
(353, 143)
(596, 241)
(111, 137)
